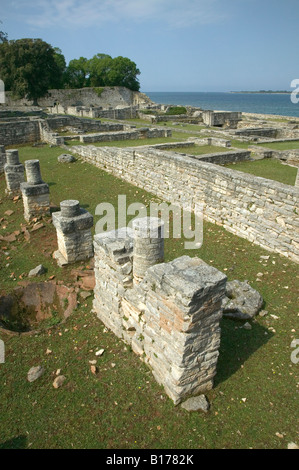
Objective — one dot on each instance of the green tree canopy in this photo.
(102, 70)
(123, 72)
(77, 73)
(3, 36)
(29, 67)
(61, 63)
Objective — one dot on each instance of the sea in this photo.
(261, 103)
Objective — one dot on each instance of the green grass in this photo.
(268, 168)
(282, 145)
(123, 407)
(200, 149)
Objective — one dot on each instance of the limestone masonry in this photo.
(35, 192)
(73, 225)
(14, 172)
(260, 210)
(170, 316)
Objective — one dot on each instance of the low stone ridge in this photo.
(242, 302)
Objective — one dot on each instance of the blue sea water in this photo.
(262, 103)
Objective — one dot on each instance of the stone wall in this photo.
(170, 319)
(141, 133)
(257, 132)
(19, 132)
(223, 158)
(221, 118)
(129, 112)
(260, 210)
(105, 96)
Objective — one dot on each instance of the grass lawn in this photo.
(268, 168)
(293, 144)
(253, 403)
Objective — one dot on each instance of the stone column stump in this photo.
(73, 225)
(14, 172)
(35, 192)
(148, 234)
(2, 158)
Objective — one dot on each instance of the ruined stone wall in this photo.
(224, 158)
(103, 96)
(170, 319)
(260, 210)
(142, 133)
(19, 132)
(257, 132)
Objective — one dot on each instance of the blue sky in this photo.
(178, 45)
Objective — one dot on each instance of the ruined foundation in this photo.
(170, 318)
(35, 192)
(14, 172)
(2, 158)
(73, 225)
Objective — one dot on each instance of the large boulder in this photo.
(66, 158)
(242, 302)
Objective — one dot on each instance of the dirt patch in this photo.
(36, 306)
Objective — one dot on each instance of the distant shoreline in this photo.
(262, 92)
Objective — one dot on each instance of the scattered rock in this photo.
(58, 382)
(100, 352)
(9, 238)
(66, 158)
(85, 294)
(93, 362)
(9, 212)
(247, 326)
(292, 445)
(34, 373)
(242, 302)
(94, 370)
(38, 271)
(199, 403)
(37, 227)
(263, 313)
(48, 351)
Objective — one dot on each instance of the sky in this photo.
(178, 45)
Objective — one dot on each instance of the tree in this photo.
(98, 68)
(59, 82)
(123, 72)
(77, 74)
(102, 70)
(3, 36)
(29, 68)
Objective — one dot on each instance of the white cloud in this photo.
(86, 13)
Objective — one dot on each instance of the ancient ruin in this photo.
(35, 192)
(14, 172)
(168, 312)
(73, 225)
